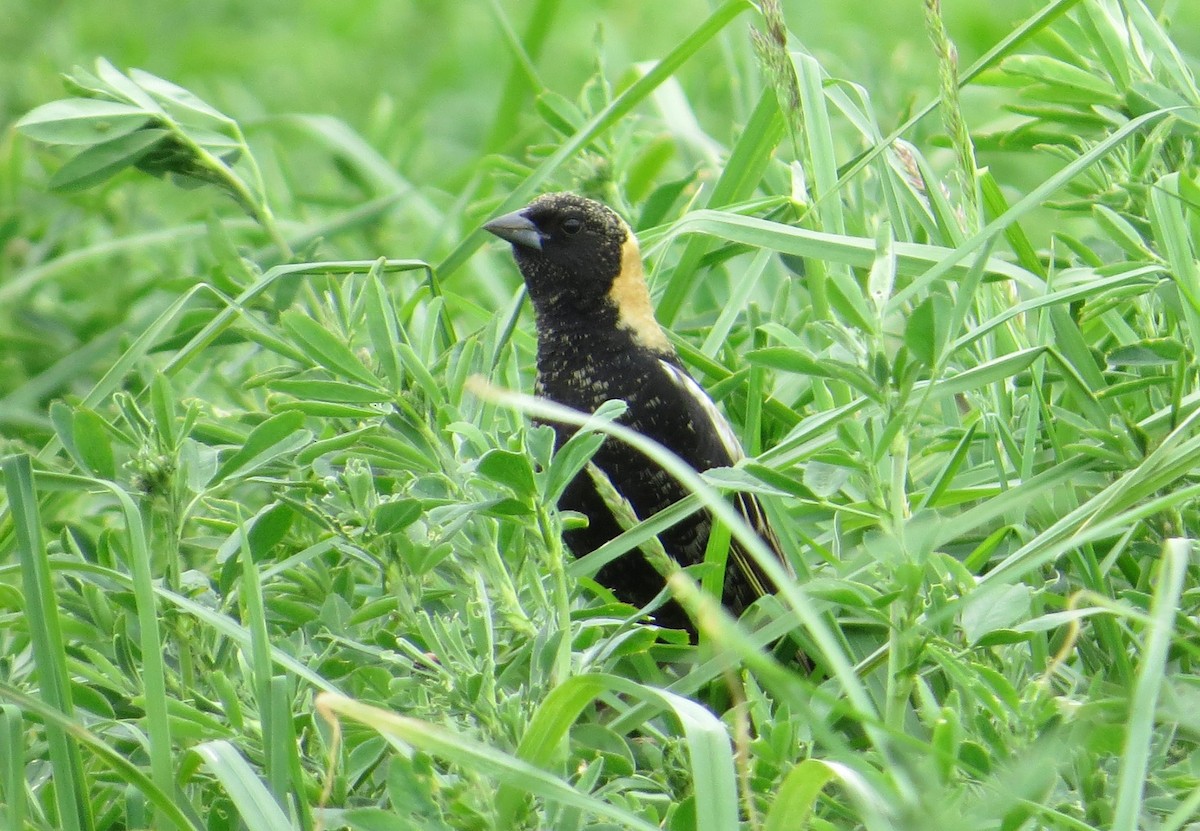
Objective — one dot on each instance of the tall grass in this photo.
(278, 545)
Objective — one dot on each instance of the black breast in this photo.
(659, 409)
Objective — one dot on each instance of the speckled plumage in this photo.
(598, 340)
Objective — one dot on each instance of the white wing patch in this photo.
(729, 439)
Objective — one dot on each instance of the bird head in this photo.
(565, 243)
(575, 253)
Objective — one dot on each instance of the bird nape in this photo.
(597, 339)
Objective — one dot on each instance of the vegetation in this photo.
(263, 436)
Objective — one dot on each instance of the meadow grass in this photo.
(278, 546)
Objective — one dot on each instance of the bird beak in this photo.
(517, 229)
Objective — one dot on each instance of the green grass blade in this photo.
(793, 805)
(708, 744)
(1035, 198)
(522, 83)
(153, 673)
(49, 648)
(1039, 21)
(912, 259)
(254, 803)
(12, 767)
(738, 180)
(1148, 687)
(274, 734)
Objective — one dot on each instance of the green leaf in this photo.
(43, 617)
(797, 795)
(1001, 637)
(947, 733)
(277, 436)
(510, 469)
(1147, 352)
(82, 121)
(578, 450)
(1141, 733)
(325, 348)
(383, 328)
(706, 739)
(103, 161)
(62, 417)
(825, 480)
(882, 276)
(912, 259)
(119, 82)
(1083, 86)
(793, 804)
(646, 169)
(269, 528)
(335, 391)
(1121, 231)
(560, 115)
(378, 819)
(94, 443)
(12, 764)
(325, 409)
(177, 98)
(396, 515)
(163, 402)
(991, 372)
(920, 333)
(792, 360)
(1001, 609)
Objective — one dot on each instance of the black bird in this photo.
(598, 340)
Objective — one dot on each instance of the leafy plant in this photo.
(279, 549)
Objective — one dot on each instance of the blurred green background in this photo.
(381, 66)
(422, 83)
(84, 274)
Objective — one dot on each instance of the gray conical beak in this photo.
(517, 229)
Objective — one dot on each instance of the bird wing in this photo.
(728, 438)
(748, 581)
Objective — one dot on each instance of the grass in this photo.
(278, 545)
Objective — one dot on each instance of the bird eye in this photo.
(572, 225)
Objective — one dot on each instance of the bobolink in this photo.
(597, 339)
